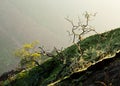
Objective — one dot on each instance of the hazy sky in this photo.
(44, 19)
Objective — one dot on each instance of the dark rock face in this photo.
(109, 76)
(104, 73)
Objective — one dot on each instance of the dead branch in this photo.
(58, 51)
(60, 54)
(44, 53)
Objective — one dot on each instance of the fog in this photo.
(24, 21)
(44, 19)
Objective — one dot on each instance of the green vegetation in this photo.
(94, 48)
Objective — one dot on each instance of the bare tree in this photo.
(80, 29)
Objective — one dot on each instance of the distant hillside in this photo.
(98, 50)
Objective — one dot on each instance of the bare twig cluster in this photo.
(50, 54)
(81, 28)
(45, 53)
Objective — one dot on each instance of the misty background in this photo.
(24, 21)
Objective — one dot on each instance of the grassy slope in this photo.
(94, 48)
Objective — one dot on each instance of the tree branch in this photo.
(43, 52)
